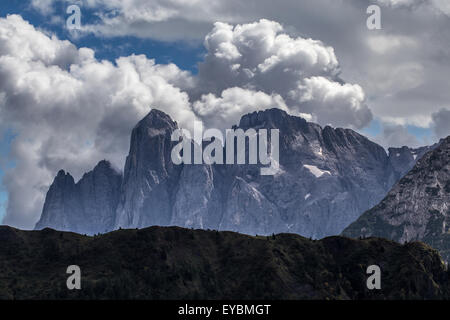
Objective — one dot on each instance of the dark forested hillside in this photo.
(175, 263)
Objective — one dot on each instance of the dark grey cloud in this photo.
(441, 123)
(394, 135)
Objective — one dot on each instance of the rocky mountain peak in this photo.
(150, 175)
(104, 166)
(87, 206)
(272, 119)
(63, 178)
(156, 119)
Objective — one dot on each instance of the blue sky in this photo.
(5, 140)
(185, 55)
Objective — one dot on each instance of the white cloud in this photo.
(382, 44)
(333, 103)
(261, 57)
(402, 67)
(44, 6)
(220, 112)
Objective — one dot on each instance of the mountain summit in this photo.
(85, 207)
(328, 177)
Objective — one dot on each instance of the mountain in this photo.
(174, 263)
(327, 178)
(85, 207)
(403, 159)
(417, 207)
(149, 176)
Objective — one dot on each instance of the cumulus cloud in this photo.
(261, 57)
(333, 103)
(232, 104)
(402, 67)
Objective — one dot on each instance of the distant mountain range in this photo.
(174, 263)
(418, 206)
(328, 177)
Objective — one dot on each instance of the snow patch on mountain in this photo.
(316, 171)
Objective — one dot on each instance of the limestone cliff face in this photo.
(149, 176)
(85, 207)
(417, 207)
(404, 158)
(327, 178)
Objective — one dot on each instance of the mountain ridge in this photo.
(328, 177)
(176, 263)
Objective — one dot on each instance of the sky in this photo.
(69, 98)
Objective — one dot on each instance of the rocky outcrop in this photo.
(150, 177)
(417, 207)
(85, 207)
(327, 177)
(403, 159)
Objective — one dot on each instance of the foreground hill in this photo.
(418, 206)
(175, 263)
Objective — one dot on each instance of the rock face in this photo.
(327, 178)
(150, 176)
(404, 158)
(417, 207)
(328, 175)
(88, 206)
